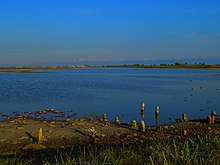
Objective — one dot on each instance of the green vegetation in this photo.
(176, 65)
(201, 150)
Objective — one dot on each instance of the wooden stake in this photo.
(40, 136)
(142, 126)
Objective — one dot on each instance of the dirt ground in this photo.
(21, 133)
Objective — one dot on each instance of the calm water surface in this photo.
(117, 91)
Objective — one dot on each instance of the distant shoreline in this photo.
(177, 65)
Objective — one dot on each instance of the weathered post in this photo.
(104, 117)
(117, 122)
(133, 124)
(142, 106)
(209, 120)
(184, 132)
(142, 109)
(157, 109)
(142, 126)
(184, 117)
(40, 136)
(213, 115)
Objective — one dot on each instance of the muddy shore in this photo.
(21, 133)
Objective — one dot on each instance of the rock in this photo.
(23, 137)
(166, 127)
(172, 126)
(20, 128)
(49, 131)
(3, 140)
(33, 146)
(16, 142)
(81, 120)
(52, 122)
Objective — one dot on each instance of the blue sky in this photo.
(41, 32)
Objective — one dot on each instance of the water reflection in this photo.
(142, 114)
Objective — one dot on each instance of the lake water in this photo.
(114, 91)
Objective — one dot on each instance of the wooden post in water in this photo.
(157, 109)
(184, 117)
(117, 122)
(104, 117)
(142, 109)
(142, 106)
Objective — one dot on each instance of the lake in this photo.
(114, 91)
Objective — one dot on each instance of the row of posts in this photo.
(133, 122)
(210, 119)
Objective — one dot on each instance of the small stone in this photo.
(81, 119)
(135, 134)
(172, 126)
(33, 146)
(52, 122)
(16, 142)
(68, 120)
(3, 140)
(23, 138)
(20, 128)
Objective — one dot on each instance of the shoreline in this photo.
(21, 134)
(136, 66)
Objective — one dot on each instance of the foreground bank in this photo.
(24, 136)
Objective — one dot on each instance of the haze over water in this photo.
(117, 91)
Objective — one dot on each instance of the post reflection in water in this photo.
(142, 114)
(157, 118)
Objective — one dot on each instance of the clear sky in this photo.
(38, 32)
